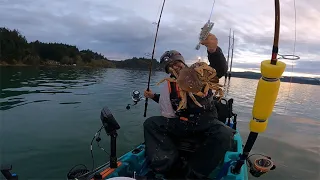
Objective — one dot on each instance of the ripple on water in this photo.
(54, 120)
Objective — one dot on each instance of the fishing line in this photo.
(214, 1)
(91, 146)
(78, 173)
(98, 139)
(293, 56)
(201, 57)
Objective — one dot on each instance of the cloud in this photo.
(122, 29)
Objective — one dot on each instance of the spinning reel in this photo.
(260, 165)
(136, 97)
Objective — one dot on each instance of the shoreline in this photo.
(76, 66)
(245, 75)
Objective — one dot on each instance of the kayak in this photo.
(133, 164)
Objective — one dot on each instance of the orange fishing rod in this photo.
(266, 94)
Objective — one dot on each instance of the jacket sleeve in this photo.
(218, 62)
(156, 97)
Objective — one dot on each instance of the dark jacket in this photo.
(217, 61)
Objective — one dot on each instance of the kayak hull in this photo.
(133, 164)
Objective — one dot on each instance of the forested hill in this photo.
(137, 63)
(16, 50)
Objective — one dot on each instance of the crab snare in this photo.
(205, 30)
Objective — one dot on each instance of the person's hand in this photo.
(211, 43)
(148, 94)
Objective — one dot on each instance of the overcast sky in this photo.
(122, 29)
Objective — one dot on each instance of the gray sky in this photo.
(123, 29)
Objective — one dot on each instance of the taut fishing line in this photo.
(202, 52)
(293, 56)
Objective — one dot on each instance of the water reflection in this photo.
(24, 85)
(19, 81)
(59, 109)
(293, 99)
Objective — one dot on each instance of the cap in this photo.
(169, 57)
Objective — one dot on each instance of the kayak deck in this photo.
(133, 164)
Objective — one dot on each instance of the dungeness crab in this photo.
(192, 80)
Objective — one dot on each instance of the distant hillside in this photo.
(301, 80)
(15, 50)
(137, 63)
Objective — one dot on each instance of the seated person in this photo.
(160, 131)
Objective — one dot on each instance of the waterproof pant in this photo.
(162, 153)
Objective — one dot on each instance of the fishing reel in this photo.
(260, 165)
(205, 30)
(136, 97)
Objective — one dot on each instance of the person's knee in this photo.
(150, 122)
(226, 137)
(223, 133)
(154, 122)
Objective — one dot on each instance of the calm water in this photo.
(49, 116)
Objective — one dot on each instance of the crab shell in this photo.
(189, 81)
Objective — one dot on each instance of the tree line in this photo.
(15, 49)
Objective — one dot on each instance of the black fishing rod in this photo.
(266, 95)
(231, 59)
(226, 75)
(150, 67)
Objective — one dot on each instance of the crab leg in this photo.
(183, 102)
(173, 72)
(217, 90)
(194, 99)
(206, 88)
(215, 85)
(212, 76)
(214, 79)
(206, 67)
(199, 70)
(200, 94)
(166, 79)
(203, 94)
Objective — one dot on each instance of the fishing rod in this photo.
(266, 95)
(231, 59)
(226, 75)
(150, 66)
